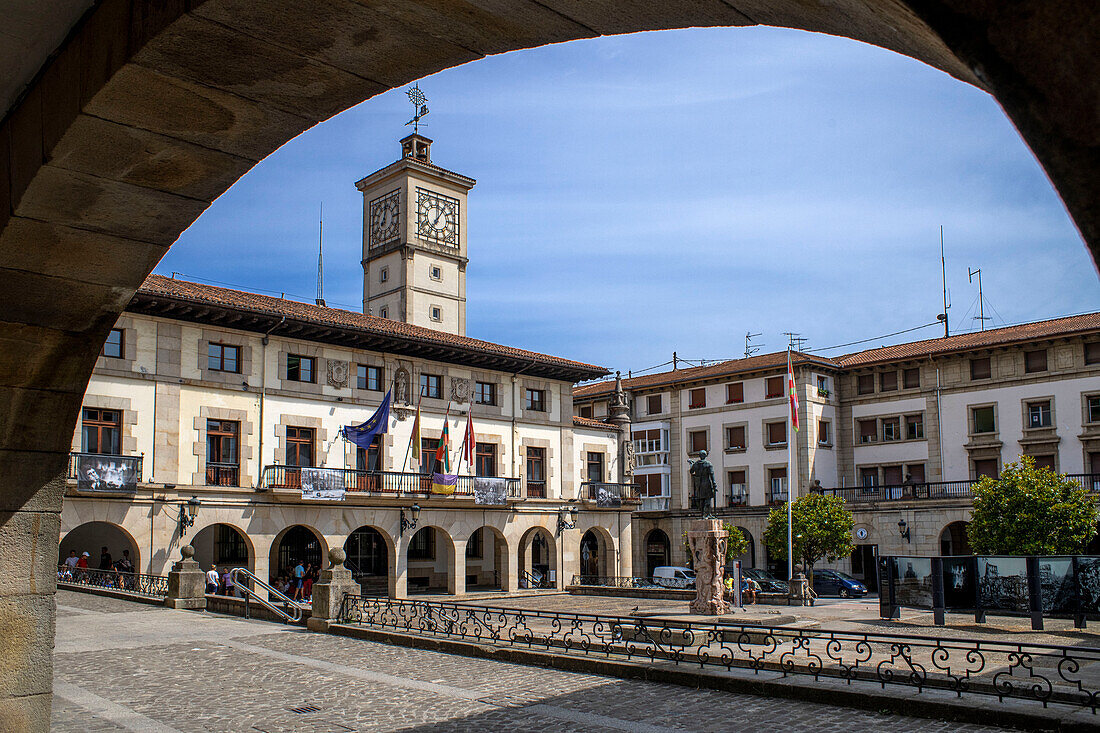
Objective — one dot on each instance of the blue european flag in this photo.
(363, 435)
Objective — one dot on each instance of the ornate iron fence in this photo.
(152, 586)
(1036, 672)
(622, 581)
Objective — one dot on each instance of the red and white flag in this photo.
(468, 440)
(792, 394)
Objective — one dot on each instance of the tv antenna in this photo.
(981, 317)
(750, 348)
(420, 106)
(320, 261)
(943, 272)
(795, 341)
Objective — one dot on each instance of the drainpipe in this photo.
(263, 392)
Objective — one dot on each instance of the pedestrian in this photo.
(212, 580)
(105, 560)
(307, 584)
(71, 561)
(82, 568)
(227, 583)
(299, 580)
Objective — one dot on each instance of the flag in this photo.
(363, 435)
(792, 394)
(443, 484)
(414, 441)
(443, 452)
(468, 444)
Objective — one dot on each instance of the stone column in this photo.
(334, 583)
(186, 583)
(708, 549)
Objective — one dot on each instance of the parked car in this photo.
(768, 583)
(671, 576)
(835, 583)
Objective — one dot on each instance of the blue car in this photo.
(836, 583)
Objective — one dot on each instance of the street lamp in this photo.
(188, 511)
(563, 522)
(903, 530)
(407, 523)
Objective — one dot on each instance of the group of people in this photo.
(112, 573)
(296, 583)
(221, 583)
(749, 589)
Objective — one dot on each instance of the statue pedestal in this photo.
(707, 540)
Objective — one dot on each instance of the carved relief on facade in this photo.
(338, 373)
(460, 390)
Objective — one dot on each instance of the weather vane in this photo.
(419, 104)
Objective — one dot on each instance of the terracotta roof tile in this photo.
(1055, 327)
(711, 371)
(158, 285)
(587, 422)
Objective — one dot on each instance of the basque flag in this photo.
(792, 393)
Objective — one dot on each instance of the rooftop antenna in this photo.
(794, 340)
(420, 106)
(943, 271)
(320, 261)
(675, 361)
(749, 348)
(981, 317)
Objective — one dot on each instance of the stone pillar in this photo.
(708, 549)
(334, 583)
(456, 568)
(186, 583)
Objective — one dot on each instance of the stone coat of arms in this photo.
(460, 389)
(338, 373)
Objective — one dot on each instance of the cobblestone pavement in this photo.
(122, 666)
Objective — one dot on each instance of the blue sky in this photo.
(671, 191)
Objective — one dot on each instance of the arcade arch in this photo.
(369, 554)
(92, 537)
(658, 551)
(748, 557)
(953, 540)
(297, 543)
(432, 562)
(487, 560)
(538, 559)
(223, 545)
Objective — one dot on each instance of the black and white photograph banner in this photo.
(106, 473)
(608, 495)
(325, 484)
(490, 490)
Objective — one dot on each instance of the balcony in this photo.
(934, 490)
(739, 496)
(536, 489)
(655, 503)
(605, 493)
(378, 483)
(105, 473)
(223, 474)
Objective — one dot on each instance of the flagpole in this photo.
(413, 436)
(790, 471)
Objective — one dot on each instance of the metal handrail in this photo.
(235, 575)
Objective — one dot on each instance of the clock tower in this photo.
(414, 240)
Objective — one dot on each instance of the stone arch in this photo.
(371, 558)
(91, 537)
(488, 560)
(748, 558)
(298, 542)
(432, 562)
(538, 559)
(599, 540)
(658, 550)
(953, 539)
(214, 545)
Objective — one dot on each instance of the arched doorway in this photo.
(431, 562)
(658, 551)
(97, 537)
(486, 560)
(224, 546)
(748, 557)
(293, 545)
(590, 555)
(953, 540)
(538, 560)
(368, 560)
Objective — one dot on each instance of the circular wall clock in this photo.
(437, 217)
(861, 533)
(384, 212)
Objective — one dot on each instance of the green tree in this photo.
(736, 545)
(1030, 511)
(822, 529)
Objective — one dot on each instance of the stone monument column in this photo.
(186, 583)
(329, 591)
(708, 551)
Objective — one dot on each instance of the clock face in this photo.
(436, 217)
(384, 212)
(861, 533)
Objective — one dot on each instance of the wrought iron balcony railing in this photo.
(926, 490)
(606, 492)
(536, 489)
(377, 483)
(223, 474)
(104, 472)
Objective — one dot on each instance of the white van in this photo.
(671, 576)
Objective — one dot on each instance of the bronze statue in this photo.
(703, 486)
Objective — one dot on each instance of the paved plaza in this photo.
(126, 666)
